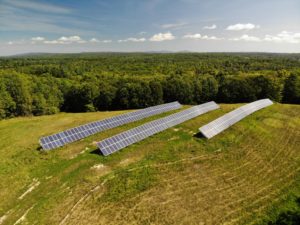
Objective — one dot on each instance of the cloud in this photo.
(19, 42)
(66, 40)
(38, 6)
(162, 37)
(94, 40)
(284, 37)
(200, 37)
(38, 39)
(133, 40)
(246, 37)
(205, 37)
(192, 36)
(212, 27)
(240, 26)
(172, 25)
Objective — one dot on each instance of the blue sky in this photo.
(149, 25)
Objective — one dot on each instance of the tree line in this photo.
(31, 86)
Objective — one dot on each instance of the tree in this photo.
(80, 98)
(206, 89)
(156, 92)
(106, 96)
(234, 90)
(17, 86)
(291, 91)
(176, 88)
(47, 97)
(7, 105)
(122, 98)
(267, 87)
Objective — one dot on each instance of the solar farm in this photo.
(167, 164)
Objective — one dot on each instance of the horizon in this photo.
(36, 26)
(143, 52)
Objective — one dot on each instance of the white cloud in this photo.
(66, 40)
(38, 39)
(240, 26)
(51, 42)
(162, 37)
(172, 25)
(284, 37)
(192, 36)
(212, 27)
(18, 42)
(199, 36)
(70, 39)
(94, 40)
(205, 37)
(246, 37)
(132, 40)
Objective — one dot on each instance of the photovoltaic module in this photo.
(217, 126)
(77, 133)
(126, 138)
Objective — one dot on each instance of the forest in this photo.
(40, 84)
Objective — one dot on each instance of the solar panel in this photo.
(74, 134)
(217, 126)
(124, 139)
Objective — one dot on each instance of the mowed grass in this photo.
(174, 177)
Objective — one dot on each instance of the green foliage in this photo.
(156, 93)
(236, 90)
(178, 88)
(205, 88)
(127, 183)
(287, 213)
(47, 97)
(7, 105)
(287, 218)
(267, 87)
(18, 87)
(47, 84)
(106, 96)
(292, 89)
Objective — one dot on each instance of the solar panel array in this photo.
(124, 139)
(74, 134)
(217, 126)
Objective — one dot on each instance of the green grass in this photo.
(242, 176)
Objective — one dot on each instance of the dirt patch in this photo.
(23, 217)
(173, 138)
(98, 167)
(32, 186)
(4, 217)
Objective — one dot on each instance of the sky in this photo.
(66, 26)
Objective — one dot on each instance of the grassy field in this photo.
(174, 177)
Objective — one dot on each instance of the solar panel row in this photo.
(77, 133)
(119, 141)
(217, 126)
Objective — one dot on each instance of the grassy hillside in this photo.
(174, 177)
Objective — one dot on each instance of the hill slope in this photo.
(173, 177)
